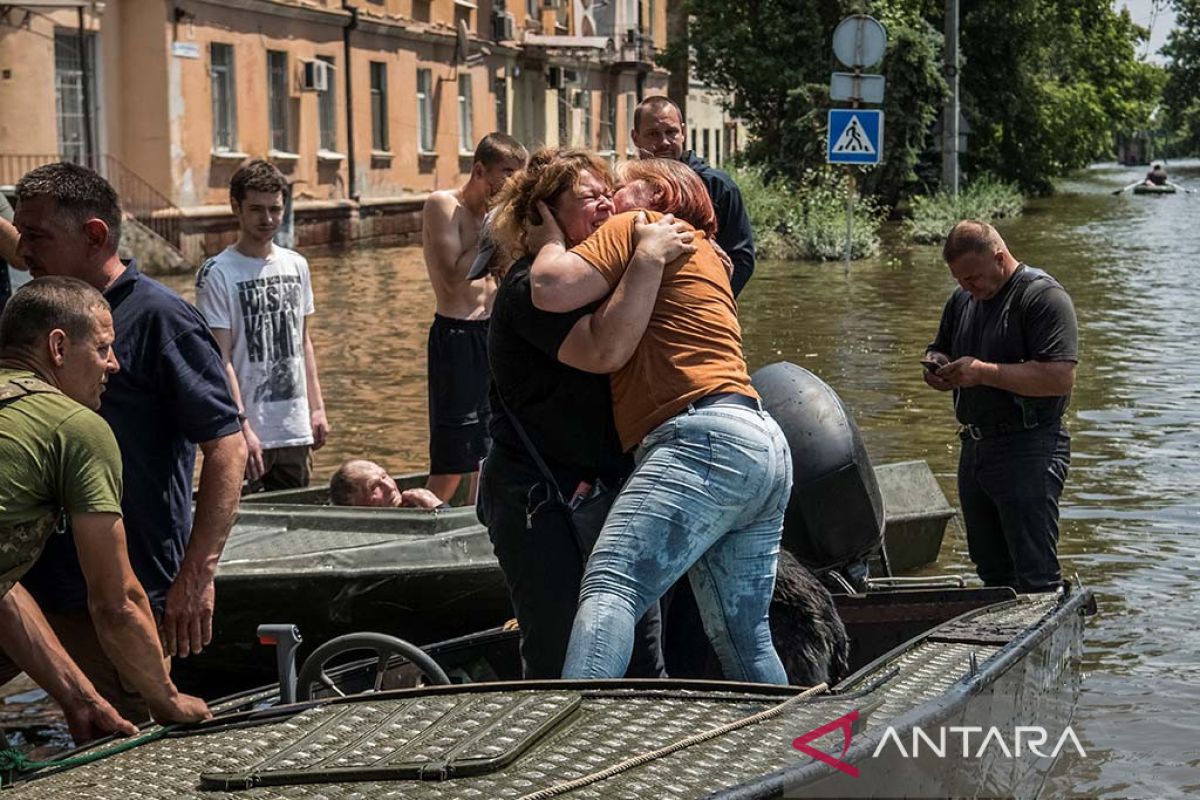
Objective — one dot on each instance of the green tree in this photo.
(1181, 93)
(774, 58)
(1047, 84)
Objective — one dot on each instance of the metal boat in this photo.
(424, 575)
(928, 663)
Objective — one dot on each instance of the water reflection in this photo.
(1132, 503)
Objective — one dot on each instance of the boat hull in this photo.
(1006, 662)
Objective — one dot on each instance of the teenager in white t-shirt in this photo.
(256, 297)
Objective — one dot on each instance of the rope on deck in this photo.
(645, 758)
(14, 764)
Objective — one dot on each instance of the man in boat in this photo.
(58, 458)
(660, 132)
(257, 298)
(457, 349)
(170, 396)
(1007, 347)
(1157, 176)
(359, 482)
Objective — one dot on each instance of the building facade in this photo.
(366, 105)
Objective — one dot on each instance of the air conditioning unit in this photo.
(504, 26)
(316, 76)
(554, 78)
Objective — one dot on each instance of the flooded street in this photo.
(1132, 502)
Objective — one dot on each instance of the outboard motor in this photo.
(835, 516)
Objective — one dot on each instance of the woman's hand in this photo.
(663, 241)
(548, 232)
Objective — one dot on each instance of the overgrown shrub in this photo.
(986, 199)
(807, 222)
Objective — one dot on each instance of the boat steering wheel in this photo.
(384, 646)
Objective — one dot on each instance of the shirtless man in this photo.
(458, 366)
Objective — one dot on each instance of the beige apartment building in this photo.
(366, 105)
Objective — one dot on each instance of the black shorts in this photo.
(458, 395)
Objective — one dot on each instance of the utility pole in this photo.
(950, 114)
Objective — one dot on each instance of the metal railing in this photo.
(139, 199)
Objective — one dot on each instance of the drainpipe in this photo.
(86, 78)
(352, 175)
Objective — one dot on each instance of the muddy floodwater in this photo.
(1132, 504)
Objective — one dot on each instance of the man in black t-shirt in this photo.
(1007, 347)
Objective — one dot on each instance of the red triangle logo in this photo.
(845, 723)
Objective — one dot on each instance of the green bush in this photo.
(807, 222)
(985, 199)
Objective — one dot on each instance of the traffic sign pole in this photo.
(858, 41)
(850, 203)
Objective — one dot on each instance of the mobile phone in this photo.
(930, 365)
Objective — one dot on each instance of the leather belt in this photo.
(727, 399)
(979, 432)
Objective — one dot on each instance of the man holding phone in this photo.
(1007, 347)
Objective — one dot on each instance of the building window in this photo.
(630, 107)
(68, 90)
(501, 90)
(327, 109)
(425, 110)
(466, 116)
(564, 118)
(650, 13)
(707, 156)
(224, 97)
(586, 102)
(695, 149)
(379, 115)
(717, 147)
(608, 122)
(277, 100)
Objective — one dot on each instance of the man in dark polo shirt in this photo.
(1007, 348)
(660, 132)
(170, 395)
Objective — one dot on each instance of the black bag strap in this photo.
(537, 458)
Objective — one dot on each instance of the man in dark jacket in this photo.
(659, 132)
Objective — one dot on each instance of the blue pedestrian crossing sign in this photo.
(855, 136)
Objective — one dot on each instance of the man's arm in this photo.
(8, 244)
(187, 618)
(445, 252)
(31, 643)
(734, 234)
(124, 623)
(604, 341)
(1030, 379)
(316, 402)
(254, 451)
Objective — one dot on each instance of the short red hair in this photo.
(681, 192)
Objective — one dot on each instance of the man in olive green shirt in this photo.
(57, 456)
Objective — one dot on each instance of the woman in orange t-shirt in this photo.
(713, 473)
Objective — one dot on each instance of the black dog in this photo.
(808, 634)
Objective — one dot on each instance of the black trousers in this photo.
(1009, 487)
(543, 567)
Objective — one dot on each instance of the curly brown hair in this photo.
(551, 171)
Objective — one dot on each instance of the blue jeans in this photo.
(707, 498)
